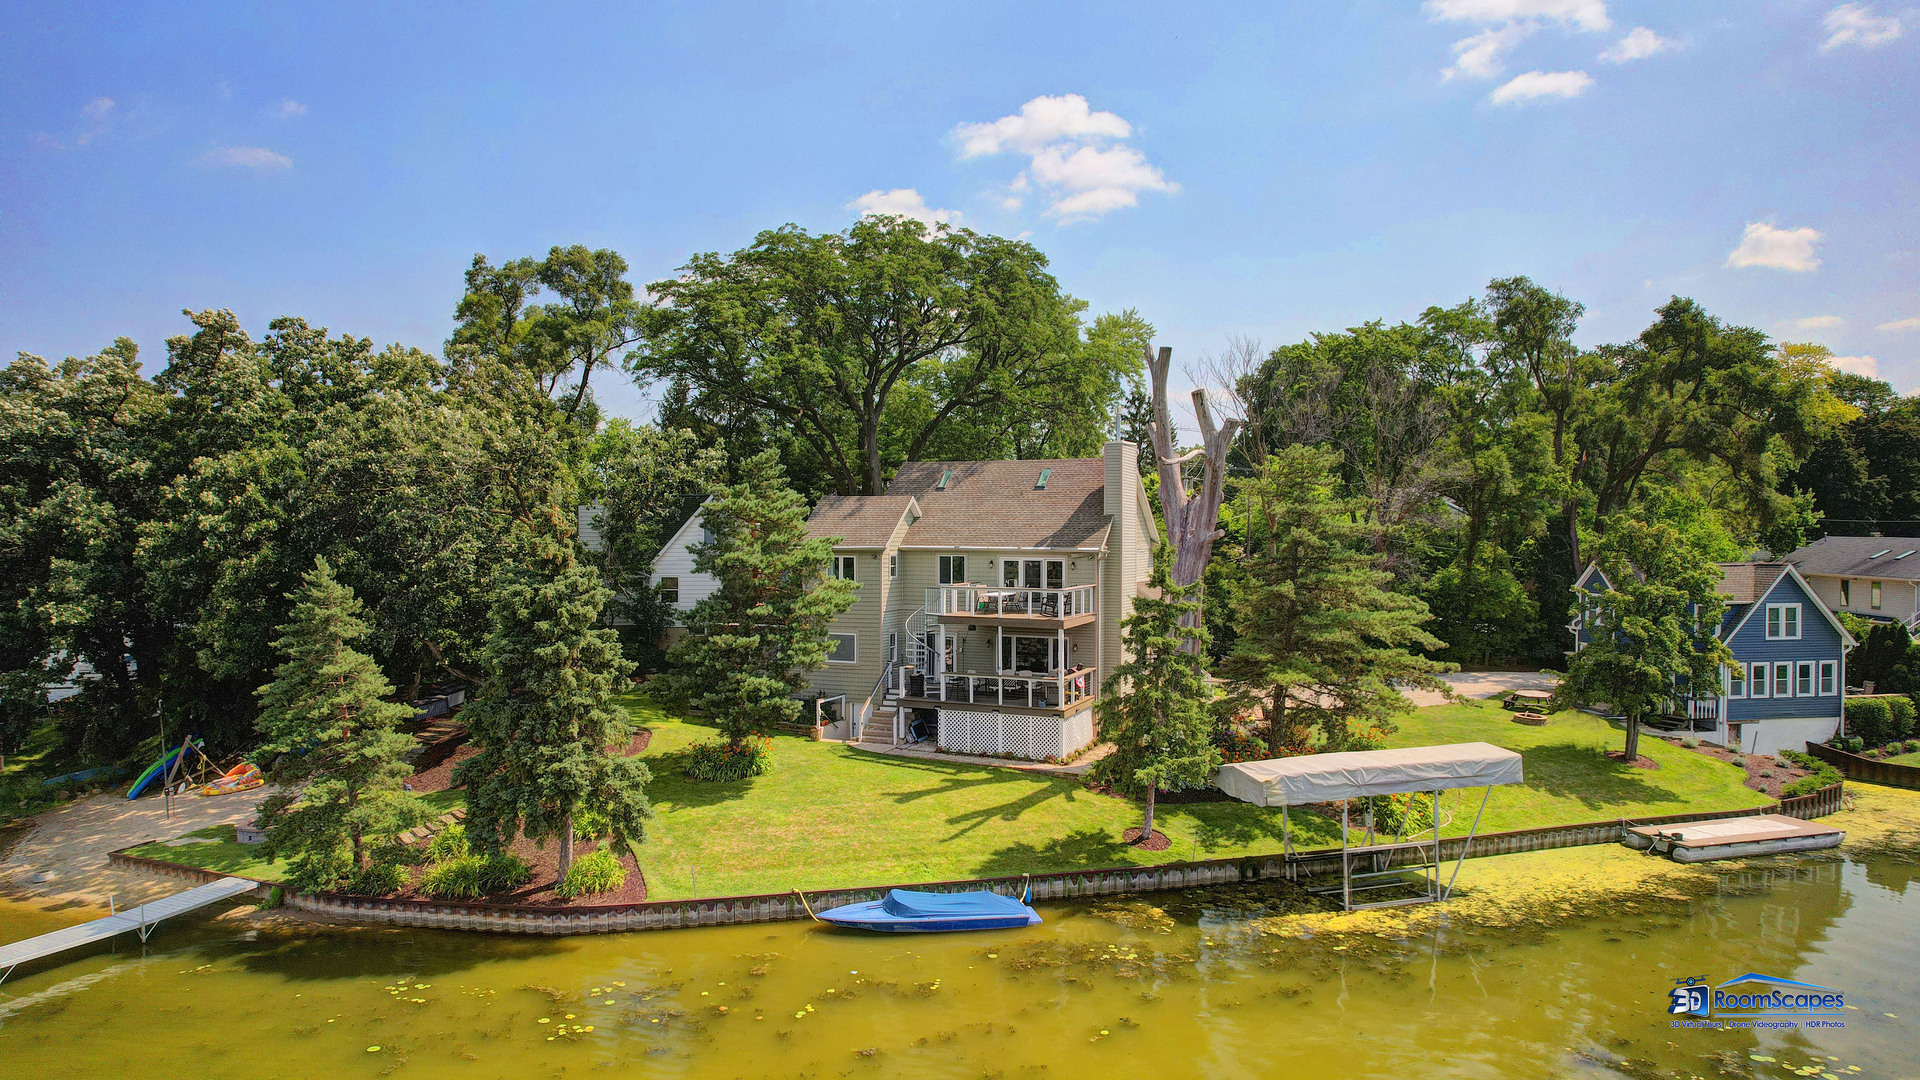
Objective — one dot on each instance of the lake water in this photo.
(1176, 985)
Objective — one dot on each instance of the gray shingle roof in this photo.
(995, 504)
(860, 521)
(1851, 556)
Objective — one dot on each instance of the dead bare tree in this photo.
(1193, 518)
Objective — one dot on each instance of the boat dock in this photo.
(141, 920)
(1732, 838)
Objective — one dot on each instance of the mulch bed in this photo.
(1781, 773)
(1157, 842)
(434, 772)
(539, 893)
(1619, 757)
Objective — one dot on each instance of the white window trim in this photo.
(1731, 684)
(1799, 625)
(856, 646)
(1777, 691)
(1829, 678)
(1759, 675)
(852, 565)
(893, 565)
(1813, 674)
(943, 569)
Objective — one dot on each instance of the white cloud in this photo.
(1040, 122)
(246, 157)
(1856, 365)
(1817, 322)
(1639, 44)
(1075, 158)
(1584, 14)
(1899, 326)
(289, 109)
(99, 110)
(1856, 24)
(1478, 57)
(902, 202)
(1541, 85)
(1775, 249)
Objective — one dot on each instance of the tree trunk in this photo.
(566, 845)
(1633, 738)
(1146, 828)
(1276, 723)
(359, 841)
(1193, 519)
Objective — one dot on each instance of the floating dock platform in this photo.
(1733, 838)
(140, 920)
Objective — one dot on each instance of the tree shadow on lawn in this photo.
(671, 783)
(1006, 811)
(1083, 849)
(955, 777)
(1585, 774)
(1229, 825)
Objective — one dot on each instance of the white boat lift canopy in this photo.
(1325, 778)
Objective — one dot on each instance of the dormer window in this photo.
(946, 477)
(1041, 484)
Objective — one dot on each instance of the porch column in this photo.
(1060, 652)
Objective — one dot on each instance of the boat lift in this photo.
(1327, 778)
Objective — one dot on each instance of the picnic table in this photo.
(1528, 697)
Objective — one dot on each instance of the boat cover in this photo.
(1318, 778)
(908, 904)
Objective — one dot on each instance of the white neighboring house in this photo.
(672, 568)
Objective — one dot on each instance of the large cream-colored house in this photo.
(991, 596)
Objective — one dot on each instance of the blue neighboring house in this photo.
(1787, 686)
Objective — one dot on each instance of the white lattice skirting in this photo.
(966, 731)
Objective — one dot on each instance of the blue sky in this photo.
(1264, 171)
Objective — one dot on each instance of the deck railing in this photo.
(995, 602)
(1055, 691)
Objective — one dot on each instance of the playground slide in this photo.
(156, 771)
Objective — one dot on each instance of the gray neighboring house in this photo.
(1874, 577)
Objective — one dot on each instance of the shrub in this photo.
(1739, 761)
(722, 761)
(598, 872)
(591, 824)
(449, 845)
(1911, 746)
(378, 879)
(1871, 720)
(473, 876)
(1690, 743)
(1900, 719)
(1824, 775)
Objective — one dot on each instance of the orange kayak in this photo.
(239, 778)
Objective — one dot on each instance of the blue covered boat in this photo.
(907, 912)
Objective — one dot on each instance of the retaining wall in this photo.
(1075, 884)
(1855, 767)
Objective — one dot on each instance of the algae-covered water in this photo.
(1556, 964)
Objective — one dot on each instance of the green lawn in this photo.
(832, 816)
(224, 856)
(1904, 759)
(829, 816)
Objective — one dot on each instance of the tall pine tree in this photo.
(1153, 707)
(325, 715)
(751, 643)
(1323, 642)
(552, 739)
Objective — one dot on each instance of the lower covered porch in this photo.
(1000, 692)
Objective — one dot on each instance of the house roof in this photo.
(860, 521)
(1746, 582)
(1854, 556)
(998, 504)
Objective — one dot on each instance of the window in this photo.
(1737, 681)
(843, 567)
(669, 589)
(1783, 680)
(843, 648)
(1846, 592)
(946, 477)
(953, 569)
(1828, 669)
(893, 566)
(1020, 653)
(706, 535)
(1010, 573)
(893, 647)
(1759, 683)
(1803, 679)
(1783, 621)
(1873, 595)
(1034, 573)
(1041, 484)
